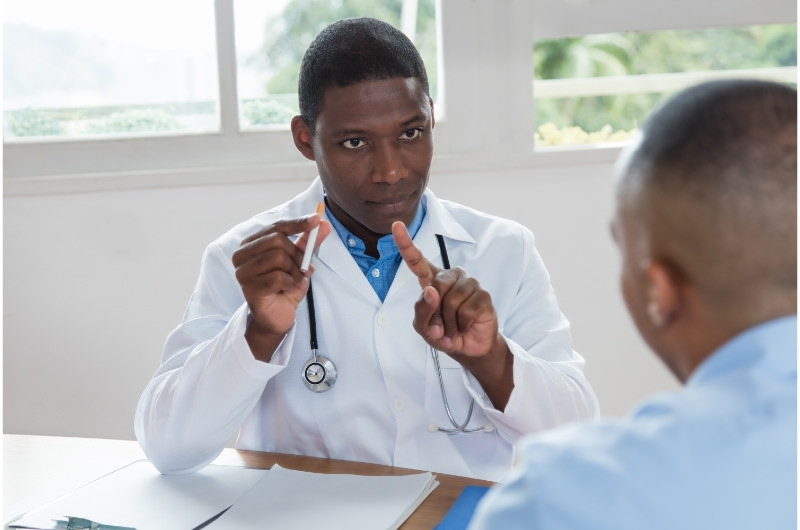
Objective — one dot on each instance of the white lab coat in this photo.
(386, 399)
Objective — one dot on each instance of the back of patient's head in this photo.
(714, 181)
(350, 51)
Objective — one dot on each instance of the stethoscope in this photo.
(319, 372)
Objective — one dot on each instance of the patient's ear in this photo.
(663, 292)
(303, 139)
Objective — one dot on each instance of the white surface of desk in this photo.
(32, 475)
(40, 469)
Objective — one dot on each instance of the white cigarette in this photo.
(312, 240)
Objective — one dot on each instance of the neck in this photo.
(366, 235)
(715, 324)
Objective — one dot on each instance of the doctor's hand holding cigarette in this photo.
(273, 272)
(456, 316)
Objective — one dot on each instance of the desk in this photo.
(37, 469)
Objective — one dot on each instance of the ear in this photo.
(303, 139)
(433, 114)
(663, 292)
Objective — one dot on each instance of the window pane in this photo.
(93, 67)
(271, 38)
(599, 88)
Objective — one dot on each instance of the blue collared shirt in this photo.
(379, 272)
(720, 453)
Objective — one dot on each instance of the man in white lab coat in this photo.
(380, 351)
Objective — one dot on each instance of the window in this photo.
(86, 68)
(202, 102)
(599, 88)
(271, 38)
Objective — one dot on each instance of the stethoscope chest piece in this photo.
(319, 373)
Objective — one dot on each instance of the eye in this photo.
(353, 143)
(411, 134)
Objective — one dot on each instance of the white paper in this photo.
(289, 499)
(138, 496)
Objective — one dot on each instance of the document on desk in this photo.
(138, 496)
(289, 499)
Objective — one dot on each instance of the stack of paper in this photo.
(137, 496)
(298, 499)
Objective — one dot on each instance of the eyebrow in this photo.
(418, 118)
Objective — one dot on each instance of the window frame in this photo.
(485, 86)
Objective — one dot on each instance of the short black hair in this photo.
(350, 51)
(721, 125)
(718, 165)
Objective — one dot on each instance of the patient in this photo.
(706, 222)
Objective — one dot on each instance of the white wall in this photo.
(93, 282)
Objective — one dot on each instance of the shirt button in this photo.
(399, 404)
(351, 242)
(375, 273)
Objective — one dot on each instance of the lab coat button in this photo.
(399, 404)
(432, 427)
(382, 320)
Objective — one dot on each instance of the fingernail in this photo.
(427, 296)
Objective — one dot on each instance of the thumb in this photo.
(432, 314)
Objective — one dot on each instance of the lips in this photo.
(396, 206)
(390, 201)
(396, 200)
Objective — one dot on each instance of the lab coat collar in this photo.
(439, 220)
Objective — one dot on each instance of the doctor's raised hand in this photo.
(456, 316)
(268, 269)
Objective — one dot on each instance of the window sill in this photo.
(551, 157)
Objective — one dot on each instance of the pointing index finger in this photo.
(423, 269)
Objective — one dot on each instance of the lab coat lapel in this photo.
(438, 220)
(333, 255)
(441, 221)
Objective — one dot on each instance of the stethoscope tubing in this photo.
(317, 383)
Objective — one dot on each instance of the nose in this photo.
(389, 163)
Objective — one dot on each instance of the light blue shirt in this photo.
(380, 272)
(719, 454)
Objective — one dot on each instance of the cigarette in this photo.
(312, 240)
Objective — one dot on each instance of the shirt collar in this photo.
(772, 343)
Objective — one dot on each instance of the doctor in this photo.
(366, 356)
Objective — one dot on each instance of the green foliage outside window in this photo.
(559, 120)
(32, 122)
(288, 35)
(266, 112)
(636, 54)
(134, 121)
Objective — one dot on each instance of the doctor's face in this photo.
(373, 146)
